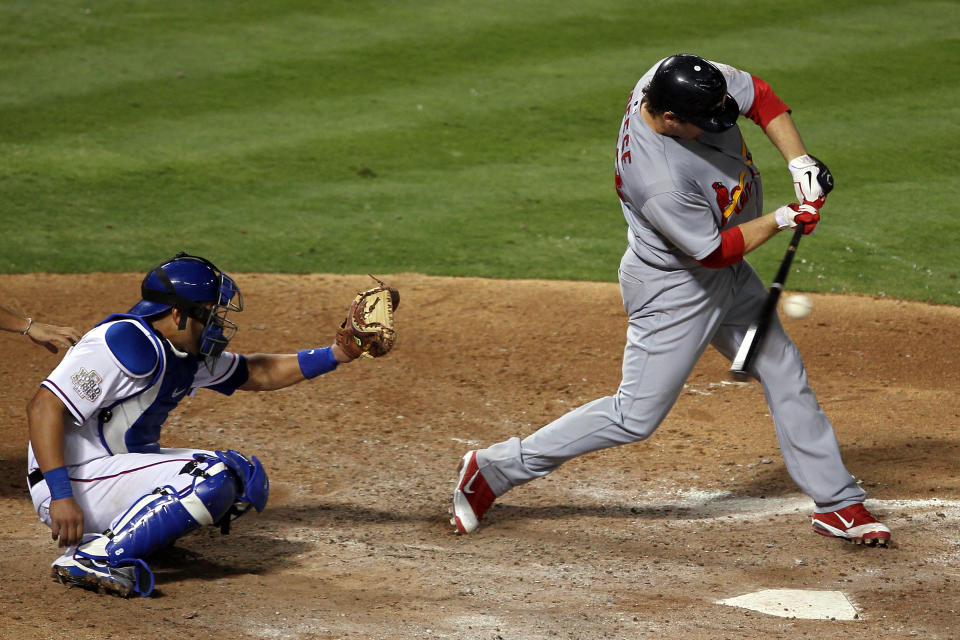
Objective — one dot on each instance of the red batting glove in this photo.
(793, 214)
(809, 219)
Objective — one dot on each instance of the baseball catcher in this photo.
(98, 476)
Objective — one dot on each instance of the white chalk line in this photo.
(707, 505)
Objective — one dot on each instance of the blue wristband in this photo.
(59, 483)
(315, 362)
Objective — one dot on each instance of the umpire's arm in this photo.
(46, 415)
(268, 372)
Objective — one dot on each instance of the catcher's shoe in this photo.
(472, 497)
(853, 523)
(87, 573)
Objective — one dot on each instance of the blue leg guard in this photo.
(157, 519)
(254, 485)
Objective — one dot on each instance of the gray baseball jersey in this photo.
(677, 196)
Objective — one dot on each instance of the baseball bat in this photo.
(755, 334)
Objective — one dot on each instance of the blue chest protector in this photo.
(143, 414)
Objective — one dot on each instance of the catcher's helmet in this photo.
(695, 90)
(187, 283)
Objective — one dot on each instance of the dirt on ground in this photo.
(639, 541)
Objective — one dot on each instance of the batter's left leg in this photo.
(809, 445)
(806, 437)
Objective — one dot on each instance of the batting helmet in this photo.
(695, 91)
(188, 283)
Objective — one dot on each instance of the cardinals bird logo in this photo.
(723, 195)
(734, 201)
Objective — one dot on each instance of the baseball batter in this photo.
(97, 474)
(693, 201)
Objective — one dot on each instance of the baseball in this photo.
(798, 306)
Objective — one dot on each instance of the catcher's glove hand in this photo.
(367, 331)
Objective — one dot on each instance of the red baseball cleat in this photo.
(854, 523)
(472, 497)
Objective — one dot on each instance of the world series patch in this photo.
(87, 384)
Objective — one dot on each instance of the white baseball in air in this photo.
(798, 306)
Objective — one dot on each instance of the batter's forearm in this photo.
(758, 231)
(785, 137)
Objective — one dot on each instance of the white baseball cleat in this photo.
(472, 497)
(853, 523)
(86, 566)
(95, 576)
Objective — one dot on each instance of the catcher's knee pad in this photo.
(254, 483)
(158, 518)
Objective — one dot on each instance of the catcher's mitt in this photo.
(367, 331)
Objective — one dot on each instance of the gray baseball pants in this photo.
(673, 316)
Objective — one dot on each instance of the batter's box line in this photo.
(710, 505)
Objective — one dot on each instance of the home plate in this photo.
(797, 603)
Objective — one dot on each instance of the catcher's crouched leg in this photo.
(224, 487)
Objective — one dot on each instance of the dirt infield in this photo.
(634, 542)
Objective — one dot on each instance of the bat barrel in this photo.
(753, 338)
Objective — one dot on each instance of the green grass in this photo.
(450, 137)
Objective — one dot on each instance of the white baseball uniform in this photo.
(119, 382)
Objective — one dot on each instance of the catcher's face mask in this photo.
(200, 291)
(217, 330)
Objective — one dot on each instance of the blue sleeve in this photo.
(236, 380)
(132, 349)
